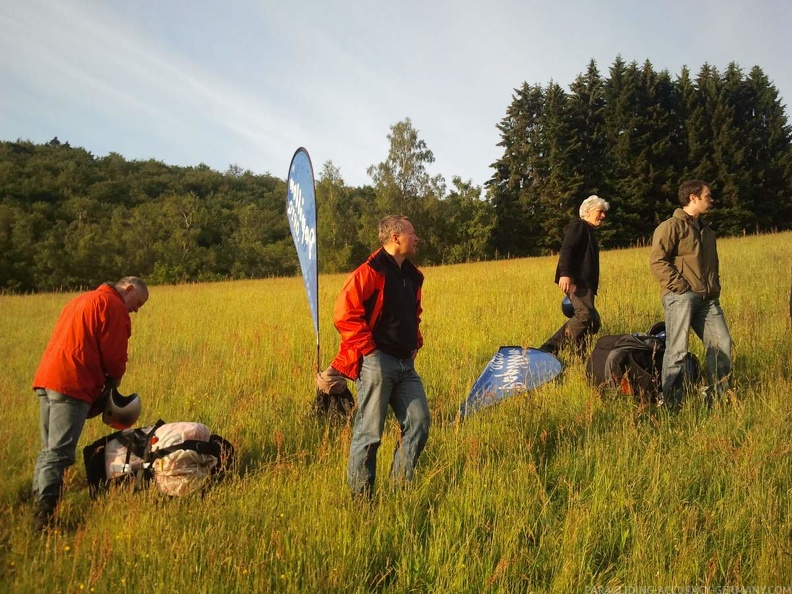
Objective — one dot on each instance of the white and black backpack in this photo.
(180, 458)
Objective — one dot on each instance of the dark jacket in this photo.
(579, 256)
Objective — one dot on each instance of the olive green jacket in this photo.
(684, 256)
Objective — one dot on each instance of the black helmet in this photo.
(658, 330)
(567, 307)
(121, 412)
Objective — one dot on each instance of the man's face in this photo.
(595, 217)
(407, 239)
(133, 298)
(701, 204)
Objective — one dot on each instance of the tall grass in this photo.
(560, 490)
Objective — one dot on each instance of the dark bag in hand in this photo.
(334, 405)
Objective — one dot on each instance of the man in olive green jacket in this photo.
(684, 260)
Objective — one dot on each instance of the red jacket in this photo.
(358, 309)
(89, 342)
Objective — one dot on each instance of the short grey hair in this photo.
(134, 281)
(390, 225)
(593, 202)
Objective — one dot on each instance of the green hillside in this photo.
(565, 489)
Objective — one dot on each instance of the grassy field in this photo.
(561, 490)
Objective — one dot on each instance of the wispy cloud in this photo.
(249, 81)
(70, 51)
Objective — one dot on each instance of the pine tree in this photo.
(768, 152)
(557, 187)
(517, 222)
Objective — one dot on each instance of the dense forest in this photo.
(632, 138)
(69, 219)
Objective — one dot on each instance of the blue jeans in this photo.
(705, 317)
(384, 381)
(62, 421)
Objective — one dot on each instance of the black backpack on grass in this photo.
(632, 364)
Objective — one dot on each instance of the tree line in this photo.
(70, 220)
(632, 137)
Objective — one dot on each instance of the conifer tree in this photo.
(517, 221)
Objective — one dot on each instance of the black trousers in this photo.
(580, 326)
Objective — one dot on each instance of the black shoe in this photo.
(43, 517)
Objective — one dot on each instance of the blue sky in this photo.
(246, 82)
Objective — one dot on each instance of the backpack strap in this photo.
(147, 451)
(145, 471)
(227, 457)
(211, 448)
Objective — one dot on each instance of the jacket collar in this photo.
(380, 259)
(699, 223)
(110, 288)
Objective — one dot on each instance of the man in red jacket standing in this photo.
(87, 350)
(378, 314)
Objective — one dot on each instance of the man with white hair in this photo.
(577, 275)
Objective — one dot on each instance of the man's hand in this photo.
(566, 285)
(330, 381)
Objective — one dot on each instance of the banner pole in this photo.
(318, 325)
